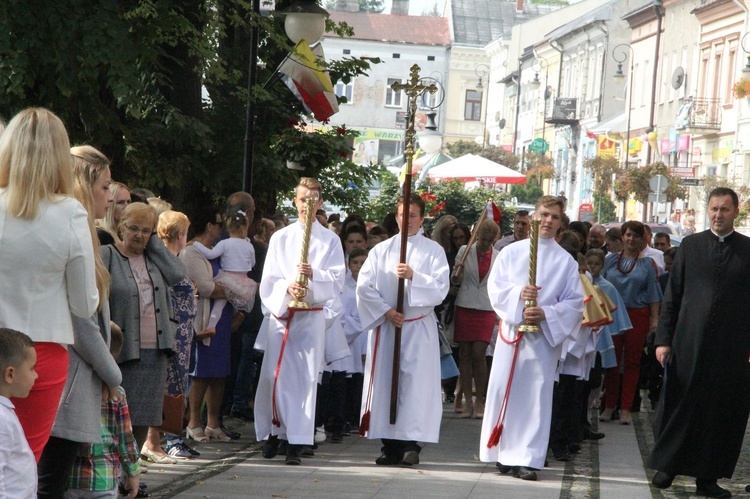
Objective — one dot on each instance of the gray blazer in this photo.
(79, 414)
(165, 270)
(473, 292)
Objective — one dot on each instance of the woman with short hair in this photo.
(635, 278)
(142, 271)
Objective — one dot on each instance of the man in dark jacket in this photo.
(703, 339)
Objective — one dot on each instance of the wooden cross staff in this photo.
(413, 89)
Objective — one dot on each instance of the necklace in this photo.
(619, 266)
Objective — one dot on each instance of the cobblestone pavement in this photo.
(610, 468)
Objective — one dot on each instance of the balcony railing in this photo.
(697, 112)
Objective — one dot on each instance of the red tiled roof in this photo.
(420, 30)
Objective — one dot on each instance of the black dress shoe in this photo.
(562, 456)
(337, 437)
(525, 473)
(293, 454)
(307, 451)
(230, 433)
(410, 458)
(662, 480)
(592, 435)
(709, 488)
(271, 448)
(507, 469)
(573, 448)
(387, 460)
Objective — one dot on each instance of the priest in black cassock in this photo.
(703, 339)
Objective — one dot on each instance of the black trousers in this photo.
(354, 398)
(335, 407)
(55, 466)
(566, 413)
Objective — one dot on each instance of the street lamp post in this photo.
(543, 64)
(481, 71)
(745, 44)
(304, 20)
(517, 81)
(625, 53)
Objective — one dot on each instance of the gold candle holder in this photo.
(301, 279)
(530, 327)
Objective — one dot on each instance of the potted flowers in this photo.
(431, 204)
(741, 88)
(302, 149)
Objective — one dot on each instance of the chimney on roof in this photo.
(400, 7)
(519, 6)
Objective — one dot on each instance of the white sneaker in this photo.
(320, 435)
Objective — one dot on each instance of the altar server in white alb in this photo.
(295, 339)
(519, 396)
(419, 399)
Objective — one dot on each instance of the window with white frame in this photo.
(392, 99)
(345, 90)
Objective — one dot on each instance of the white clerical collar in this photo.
(722, 238)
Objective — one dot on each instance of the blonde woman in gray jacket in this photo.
(474, 317)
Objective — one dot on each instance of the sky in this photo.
(416, 7)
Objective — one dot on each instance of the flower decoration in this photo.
(431, 204)
(316, 149)
(741, 88)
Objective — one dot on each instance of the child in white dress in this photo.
(237, 257)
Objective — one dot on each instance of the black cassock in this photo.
(701, 417)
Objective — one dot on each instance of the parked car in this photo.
(674, 238)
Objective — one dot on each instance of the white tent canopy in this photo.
(473, 168)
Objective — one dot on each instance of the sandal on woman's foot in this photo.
(196, 434)
(606, 416)
(157, 458)
(217, 434)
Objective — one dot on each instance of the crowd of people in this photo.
(138, 328)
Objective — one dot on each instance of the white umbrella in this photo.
(472, 168)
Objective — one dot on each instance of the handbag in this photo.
(173, 409)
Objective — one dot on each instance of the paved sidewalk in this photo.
(610, 468)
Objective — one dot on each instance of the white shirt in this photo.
(18, 479)
(657, 256)
(237, 255)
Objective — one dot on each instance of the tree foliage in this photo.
(602, 170)
(527, 193)
(464, 204)
(129, 76)
(635, 182)
(433, 12)
(604, 208)
(372, 6)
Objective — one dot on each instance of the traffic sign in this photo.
(658, 183)
(539, 146)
